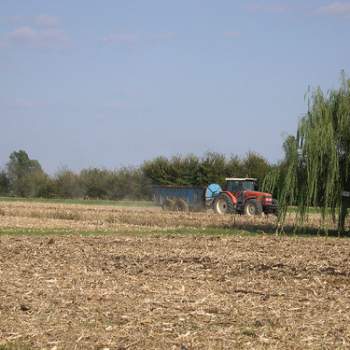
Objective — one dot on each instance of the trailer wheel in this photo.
(181, 205)
(252, 207)
(223, 205)
(168, 204)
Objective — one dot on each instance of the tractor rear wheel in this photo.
(223, 205)
(252, 207)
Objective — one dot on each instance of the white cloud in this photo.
(22, 34)
(40, 31)
(26, 36)
(38, 38)
(335, 9)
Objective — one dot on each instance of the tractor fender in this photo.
(231, 196)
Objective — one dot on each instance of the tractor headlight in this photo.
(267, 200)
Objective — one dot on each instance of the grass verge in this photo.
(149, 231)
(182, 231)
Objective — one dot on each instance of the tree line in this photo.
(25, 177)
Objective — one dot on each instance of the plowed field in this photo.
(136, 282)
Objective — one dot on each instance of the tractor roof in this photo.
(240, 179)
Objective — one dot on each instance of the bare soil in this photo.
(159, 291)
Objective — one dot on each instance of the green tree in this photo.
(255, 166)
(275, 179)
(317, 162)
(4, 183)
(128, 183)
(157, 170)
(211, 169)
(67, 184)
(25, 175)
(94, 182)
(234, 167)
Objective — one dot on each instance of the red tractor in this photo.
(241, 195)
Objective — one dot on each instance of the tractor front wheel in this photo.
(252, 207)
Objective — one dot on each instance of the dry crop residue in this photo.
(175, 292)
(18, 215)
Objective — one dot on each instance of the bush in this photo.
(67, 184)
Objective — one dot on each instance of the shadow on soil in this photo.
(288, 230)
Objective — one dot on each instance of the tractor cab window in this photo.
(234, 186)
(249, 186)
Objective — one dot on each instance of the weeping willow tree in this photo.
(315, 171)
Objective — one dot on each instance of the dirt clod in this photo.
(24, 307)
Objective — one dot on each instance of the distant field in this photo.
(123, 203)
(76, 276)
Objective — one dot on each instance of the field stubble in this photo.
(164, 291)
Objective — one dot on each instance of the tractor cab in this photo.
(236, 185)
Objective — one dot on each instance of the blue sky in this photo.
(112, 83)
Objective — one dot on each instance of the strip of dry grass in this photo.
(112, 219)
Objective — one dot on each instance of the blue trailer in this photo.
(184, 198)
